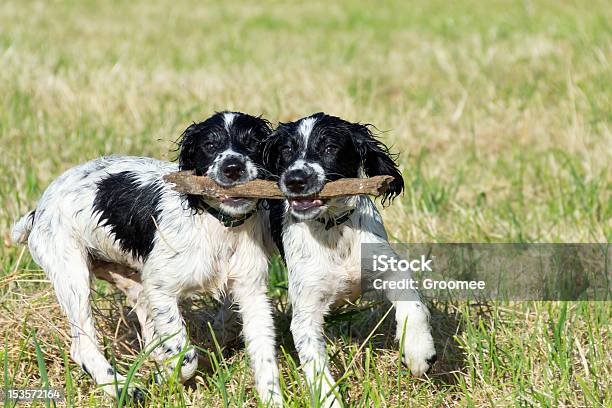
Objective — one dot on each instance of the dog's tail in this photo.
(22, 228)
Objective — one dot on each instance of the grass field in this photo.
(501, 111)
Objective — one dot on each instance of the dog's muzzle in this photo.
(229, 172)
(232, 171)
(301, 186)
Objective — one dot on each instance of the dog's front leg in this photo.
(411, 316)
(310, 306)
(258, 330)
(169, 337)
(414, 331)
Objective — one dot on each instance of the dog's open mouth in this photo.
(304, 204)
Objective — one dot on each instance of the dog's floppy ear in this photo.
(264, 127)
(187, 146)
(376, 160)
(270, 152)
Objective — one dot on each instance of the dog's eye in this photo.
(287, 150)
(329, 149)
(252, 144)
(210, 146)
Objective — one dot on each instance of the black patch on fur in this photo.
(190, 356)
(129, 208)
(87, 370)
(139, 397)
(276, 211)
(111, 371)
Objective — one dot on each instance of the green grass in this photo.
(501, 111)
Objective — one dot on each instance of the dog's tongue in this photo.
(304, 203)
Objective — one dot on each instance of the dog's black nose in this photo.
(296, 181)
(234, 170)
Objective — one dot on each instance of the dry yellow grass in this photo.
(501, 112)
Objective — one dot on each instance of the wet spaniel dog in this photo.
(119, 211)
(321, 239)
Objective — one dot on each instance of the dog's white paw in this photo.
(419, 361)
(134, 393)
(418, 351)
(137, 395)
(331, 402)
(328, 398)
(323, 392)
(414, 331)
(274, 400)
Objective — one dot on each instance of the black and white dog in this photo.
(119, 210)
(322, 239)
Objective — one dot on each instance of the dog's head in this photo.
(307, 153)
(226, 147)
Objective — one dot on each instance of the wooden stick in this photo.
(186, 182)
